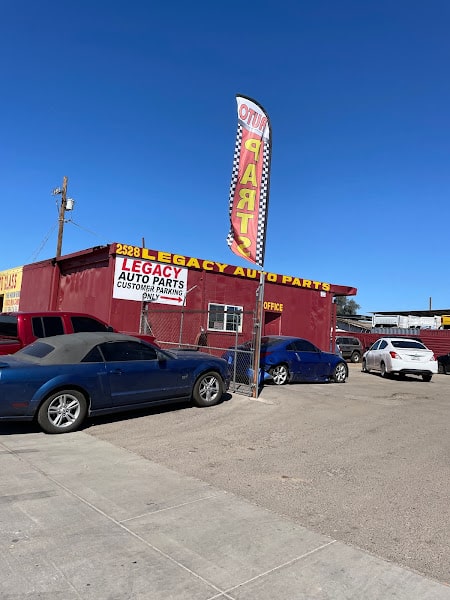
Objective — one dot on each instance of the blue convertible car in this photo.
(62, 379)
(285, 359)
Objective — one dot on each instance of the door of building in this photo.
(272, 323)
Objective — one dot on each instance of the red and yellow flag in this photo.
(249, 190)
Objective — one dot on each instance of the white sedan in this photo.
(400, 356)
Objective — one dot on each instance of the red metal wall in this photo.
(37, 285)
(437, 340)
(84, 282)
(305, 313)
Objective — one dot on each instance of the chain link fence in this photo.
(190, 329)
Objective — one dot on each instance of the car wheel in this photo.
(383, 371)
(280, 374)
(364, 368)
(356, 357)
(426, 378)
(208, 389)
(340, 373)
(441, 369)
(62, 412)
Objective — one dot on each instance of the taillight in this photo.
(394, 354)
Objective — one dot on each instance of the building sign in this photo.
(249, 189)
(149, 281)
(217, 267)
(273, 306)
(10, 284)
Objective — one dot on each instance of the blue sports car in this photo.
(62, 379)
(285, 359)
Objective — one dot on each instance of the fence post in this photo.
(258, 333)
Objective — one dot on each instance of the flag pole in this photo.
(248, 203)
(258, 333)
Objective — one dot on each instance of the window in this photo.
(304, 346)
(409, 344)
(126, 351)
(8, 325)
(38, 350)
(81, 323)
(93, 355)
(47, 326)
(224, 317)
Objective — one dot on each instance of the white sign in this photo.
(148, 281)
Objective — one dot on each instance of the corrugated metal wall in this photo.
(437, 340)
(84, 281)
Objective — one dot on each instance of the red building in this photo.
(176, 297)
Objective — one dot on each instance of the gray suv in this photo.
(351, 348)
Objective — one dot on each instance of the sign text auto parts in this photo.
(149, 281)
(208, 265)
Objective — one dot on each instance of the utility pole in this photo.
(62, 213)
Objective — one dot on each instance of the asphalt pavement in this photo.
(82, 518)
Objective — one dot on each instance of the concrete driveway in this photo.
(311, 492)
(366, 462)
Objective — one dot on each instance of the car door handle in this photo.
(116, 372)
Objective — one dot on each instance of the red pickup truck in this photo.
(18, 329)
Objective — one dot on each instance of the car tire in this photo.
(355, 357)
(208, 389)
(441, 369)
(426, 378)
(364, 368)
(383, 371)
(340, 373)
(62, 412)
(280, 374)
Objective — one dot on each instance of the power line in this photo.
(84, 229)
(44, 241)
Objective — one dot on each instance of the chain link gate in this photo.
(188, 329)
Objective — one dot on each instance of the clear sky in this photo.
(135, 103)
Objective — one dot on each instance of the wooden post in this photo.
(62, 213)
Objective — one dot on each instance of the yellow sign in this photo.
(210, 265)
(273, 306)
(10, 284)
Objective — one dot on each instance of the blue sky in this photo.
(135, 103)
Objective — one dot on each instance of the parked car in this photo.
(285, 359)
(350, 347)
(18, 329)
(400, 356)
(60, 380)
(444, 364)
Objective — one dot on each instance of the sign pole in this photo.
(258, 333)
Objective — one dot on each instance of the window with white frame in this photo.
(224, 317)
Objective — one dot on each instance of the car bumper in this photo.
(428, 367)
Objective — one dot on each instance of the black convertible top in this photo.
(67, 349)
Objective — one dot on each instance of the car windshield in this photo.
(408, 344)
